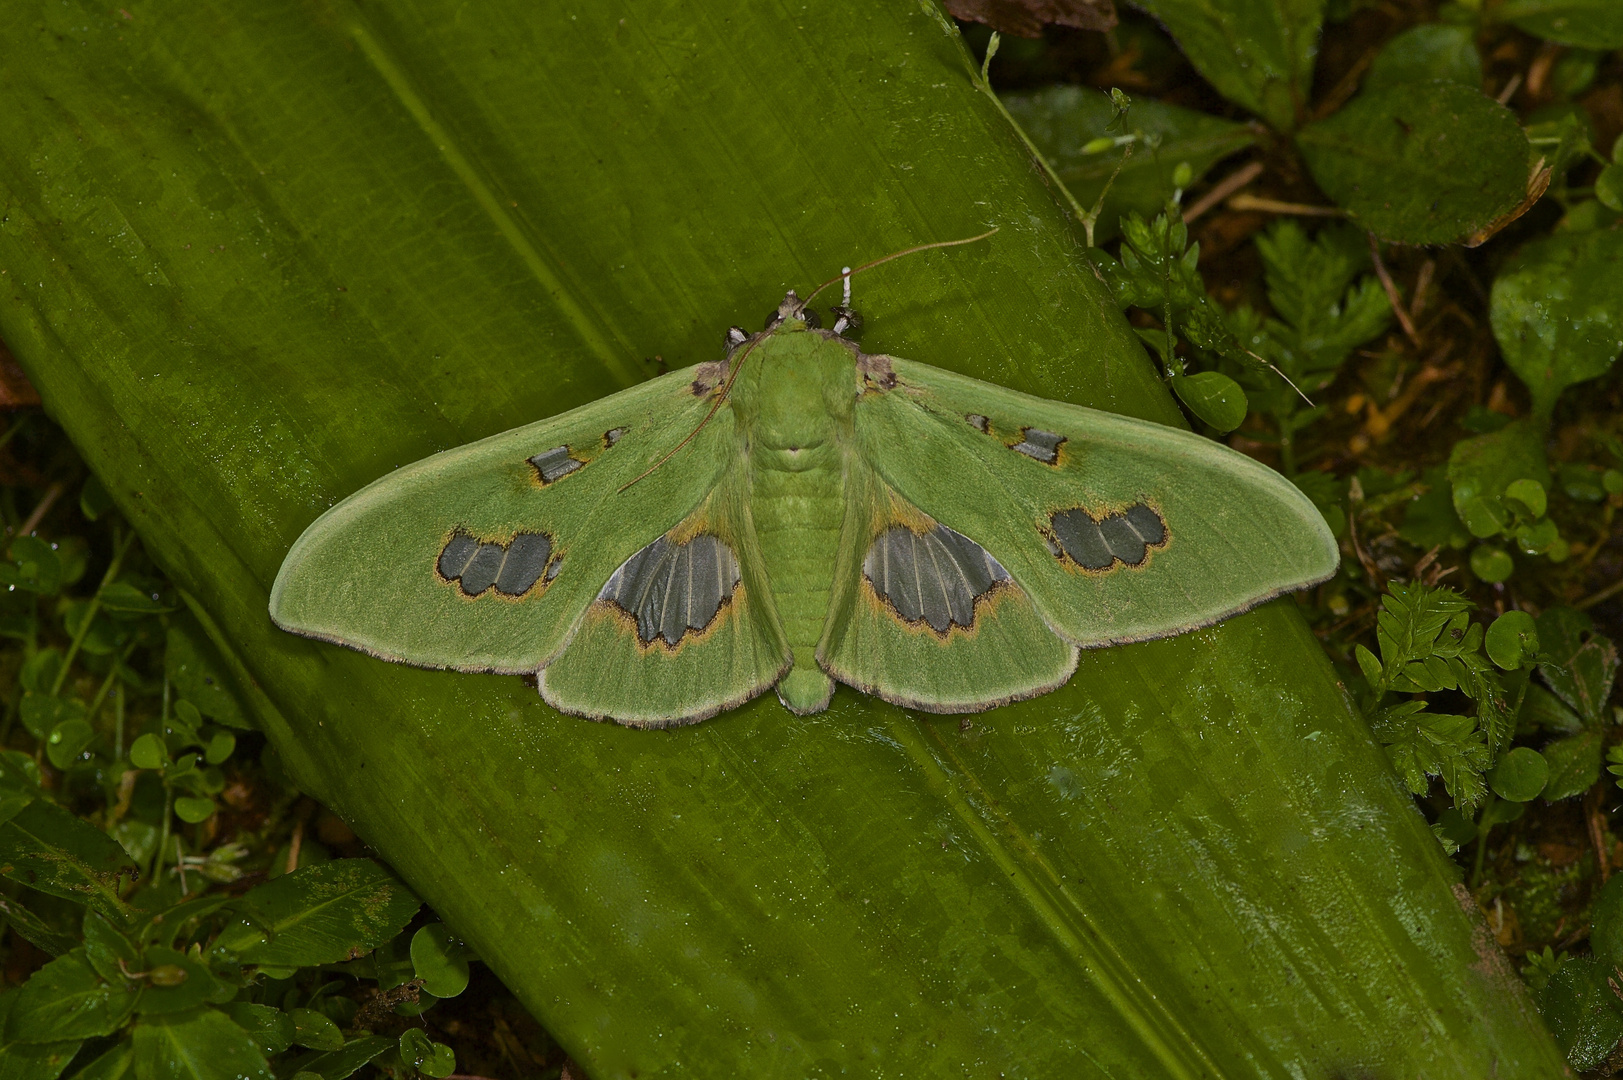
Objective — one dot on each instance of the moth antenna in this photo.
(721, 397)
(845, 275)
(845, 293)
(848, 273)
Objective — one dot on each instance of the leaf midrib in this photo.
(595, 332)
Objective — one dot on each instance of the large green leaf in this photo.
(1420, 163)
(257, 256)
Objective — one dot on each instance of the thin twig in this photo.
(1422, 284)
(106, 687)
(982, 81)
(1482, 843)
(1346, 86)
(1355, 497)
(52, 493)
(121, 546)
(1243, 201)
(1539, 69)
(1090, 220)
(1510, 89)
(293, 846)
(163, 839)
(1419, 568)
(1596, 821)
(17, 427)
(1231, 183)
(1391, 288)
(1605, 594)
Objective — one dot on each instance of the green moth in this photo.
(940, 542)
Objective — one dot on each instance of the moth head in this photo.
(793, 314)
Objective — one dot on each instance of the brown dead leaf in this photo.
(1538, 181)
(16, 392)
(1559, 855)
(1026, 18)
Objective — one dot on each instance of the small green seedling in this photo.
(940, 542)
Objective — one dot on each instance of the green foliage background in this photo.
(255, 260)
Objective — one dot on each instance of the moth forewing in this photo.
(1120, 530)
(379, 571)
(682, 630)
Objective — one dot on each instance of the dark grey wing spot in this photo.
(704, 585)
(631, 585)
(1100, 544)
(980, 571)
(1148, 524)
(481, 571)
(933, 578)
(526, 561)
(673, 614)
(552, 464)
(1039, 445)
(612, 436)
(1079, 537)
(1125, 544)
(936, 583)
(979, 422)
(671, 588)
(513, 568)
(458, 551)
(889, 566)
